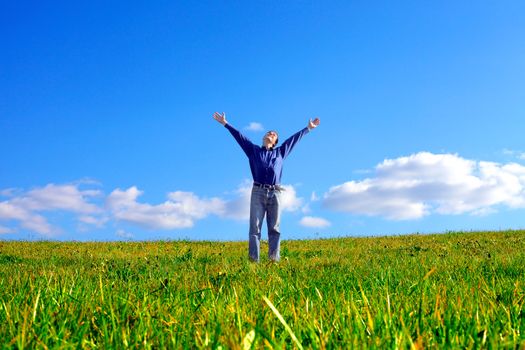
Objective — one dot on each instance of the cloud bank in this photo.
(27, 208)
(425, 183)
(405, 188)
(180, 210)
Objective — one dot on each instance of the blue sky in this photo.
(106, 128)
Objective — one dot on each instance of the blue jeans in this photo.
(265, 202)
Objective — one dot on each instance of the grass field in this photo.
(454, 290)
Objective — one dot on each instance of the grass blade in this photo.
(282, 320)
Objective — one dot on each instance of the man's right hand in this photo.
(221, 118)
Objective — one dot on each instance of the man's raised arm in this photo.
(243, 141)
(290, 143)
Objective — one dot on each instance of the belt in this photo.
(268, 187)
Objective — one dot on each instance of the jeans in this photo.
(265, 202)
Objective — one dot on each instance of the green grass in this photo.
(454, 290)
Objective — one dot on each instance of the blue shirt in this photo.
(266, 165)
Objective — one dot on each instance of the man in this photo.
(266, 165)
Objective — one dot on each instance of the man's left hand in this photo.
(314, 124)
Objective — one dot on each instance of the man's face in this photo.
(270, 137)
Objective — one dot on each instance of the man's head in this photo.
(270, 139)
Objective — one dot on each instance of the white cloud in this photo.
(315, 222)
(289, 199)
(424, 183)
(180, 211)
(193, 206)
(254, 126)
(24, 208)
(58, 197)
(27, 219)
(11, 212)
